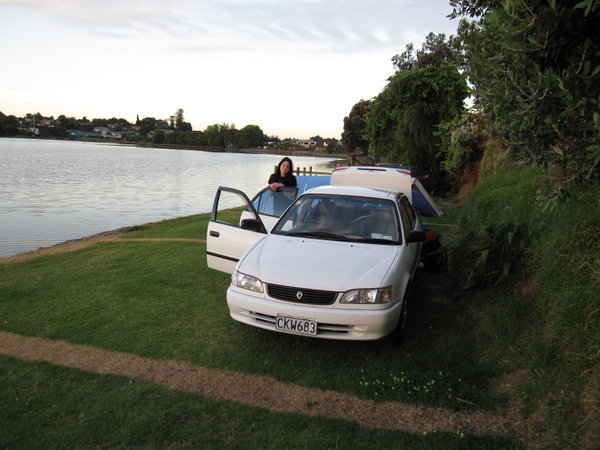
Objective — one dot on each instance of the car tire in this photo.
(400, 331)
(403, 317)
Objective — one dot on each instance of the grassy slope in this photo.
(542, 321)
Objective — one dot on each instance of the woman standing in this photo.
(283, 176)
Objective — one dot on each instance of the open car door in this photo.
(234, 227)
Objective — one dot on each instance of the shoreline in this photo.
(264, 151)
(65, 246)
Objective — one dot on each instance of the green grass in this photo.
(46, 406)
(537, 333)
(159, 300)
(543, 320)
(190, 227)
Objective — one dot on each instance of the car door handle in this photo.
(215, 234)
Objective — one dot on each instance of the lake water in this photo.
(54, 191)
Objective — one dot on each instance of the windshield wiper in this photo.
(375, 241)
(318, 235)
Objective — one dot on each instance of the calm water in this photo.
(54, 191)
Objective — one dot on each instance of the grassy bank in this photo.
(530, 255)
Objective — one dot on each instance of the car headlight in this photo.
(368, 296)
(246, 282)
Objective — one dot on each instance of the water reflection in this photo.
(52, 191)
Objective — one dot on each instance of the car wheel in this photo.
(402, 321)
(403, 317)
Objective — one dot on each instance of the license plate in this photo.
(293, 325)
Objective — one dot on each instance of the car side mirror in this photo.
(251, 224)
(415, 236)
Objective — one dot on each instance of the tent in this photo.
(393, 179)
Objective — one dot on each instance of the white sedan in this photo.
(337, 264)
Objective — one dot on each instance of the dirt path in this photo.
(263, 391)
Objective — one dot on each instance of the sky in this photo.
(294, 68)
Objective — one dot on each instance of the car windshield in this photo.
(345, 218)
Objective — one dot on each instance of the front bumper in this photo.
(333, 323)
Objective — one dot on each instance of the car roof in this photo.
(355, 191)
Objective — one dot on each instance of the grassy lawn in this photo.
(157, 299)
(46, 406)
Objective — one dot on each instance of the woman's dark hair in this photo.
(278, 168)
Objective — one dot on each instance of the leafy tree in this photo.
(9, 125)
(535, 67)
(68, 123)
(220, 135)
(355, 126)
(250, 136)
(147, 124)
(435, 51)
(158, 137)
(462, 143)
(426, 91)
(177, 122)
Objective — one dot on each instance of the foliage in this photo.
(9, 125)
(491, 251)
(435, 51)
(178, 123)
(462, 143)
(403, 117)
(535, 68)
(542, 319)
(250, 136)
(355, 127)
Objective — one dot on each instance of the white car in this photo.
(337, 264)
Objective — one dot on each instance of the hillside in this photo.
(526, 263)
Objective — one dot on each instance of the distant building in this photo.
(78, 133)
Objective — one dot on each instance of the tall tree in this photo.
(426, 91)
(355, 126)
(250, 136)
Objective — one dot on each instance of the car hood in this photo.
(319, 264)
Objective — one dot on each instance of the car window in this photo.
(349, 218)
(274, 203)
(409, 218)
(231, 209)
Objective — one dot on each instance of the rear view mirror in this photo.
(415, 236)
(251, 224)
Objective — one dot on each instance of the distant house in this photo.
(46, 122)
(307, 143)
(102, 131)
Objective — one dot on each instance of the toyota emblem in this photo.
(299, 295)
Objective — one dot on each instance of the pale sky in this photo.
(295, 68)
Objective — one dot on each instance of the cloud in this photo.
(336, 26)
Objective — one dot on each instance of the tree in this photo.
(435, 51)
(147, 124)
(9, 125)
(177, 122)
(426, 90)
(355, 126)
(535, 67)
(220, 135)
(250, 136)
